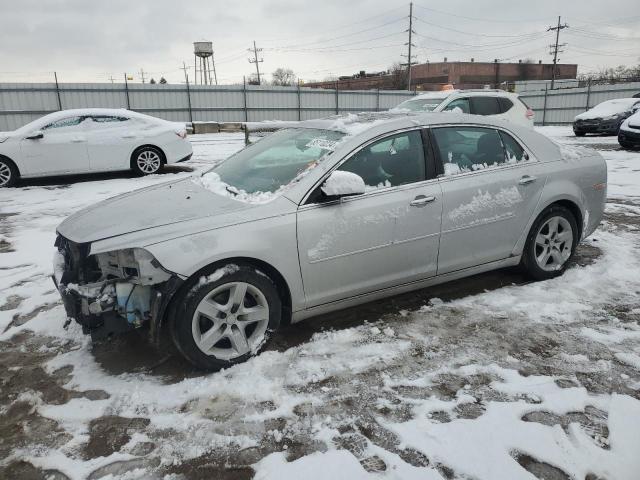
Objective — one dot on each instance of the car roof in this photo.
(356, 124)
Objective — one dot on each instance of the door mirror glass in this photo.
(35, 135)
(342, 184)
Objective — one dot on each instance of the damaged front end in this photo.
(112, 292)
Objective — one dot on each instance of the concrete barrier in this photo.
(206, 127)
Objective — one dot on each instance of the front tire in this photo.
(225, 316)
(8, 173)
(147, 160)
(550, 244)
(578, 133)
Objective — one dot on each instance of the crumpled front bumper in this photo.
(94, 304)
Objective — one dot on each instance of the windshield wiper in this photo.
(231, 190)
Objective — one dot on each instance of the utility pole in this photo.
(555, 49)
(185, 68)
(409, 44)
(255, 59)
(111, 78)
(142, 75)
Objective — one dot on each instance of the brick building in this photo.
(432, 76)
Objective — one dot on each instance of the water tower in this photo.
(203, 51)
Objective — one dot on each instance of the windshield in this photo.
(421, 104)
(276, 160)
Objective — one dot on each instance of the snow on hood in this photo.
(212, 182)
(5, 135)
(610, 107)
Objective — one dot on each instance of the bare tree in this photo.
(283, 77)
(399, 76)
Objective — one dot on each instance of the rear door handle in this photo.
(77, 140)
(526, 180)
(421, 201)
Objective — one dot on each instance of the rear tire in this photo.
(8, 173)
(225, 316)
(551, 243)
(147, 160)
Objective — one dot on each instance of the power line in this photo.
(375, 27)
(492, 20)
(555, 48)
(527, 35)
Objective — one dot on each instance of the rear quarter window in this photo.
(505, 104)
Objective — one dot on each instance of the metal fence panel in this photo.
(21, 103)
(559, 107)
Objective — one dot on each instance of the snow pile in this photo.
(352, 124)
(608, 108)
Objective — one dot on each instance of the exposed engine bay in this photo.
(111, 292)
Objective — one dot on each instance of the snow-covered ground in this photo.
(488, 378)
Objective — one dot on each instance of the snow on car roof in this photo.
(116, 112)
(356, 123)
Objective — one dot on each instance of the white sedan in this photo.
(91, 140)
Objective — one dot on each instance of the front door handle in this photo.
(526, 180)
(421, 201)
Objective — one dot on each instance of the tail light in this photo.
(182, 134)
(530, 114)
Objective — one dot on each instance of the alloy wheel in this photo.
(5, 174)
(148, 161)
(231, 320)
(553, 244)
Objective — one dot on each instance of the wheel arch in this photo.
(163, 156)
(15, 165)
(260, 265)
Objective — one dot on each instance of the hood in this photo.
(5, 135)
(632, 122)
(156, 206)
(608, 109)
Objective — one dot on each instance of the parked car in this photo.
(629, 134)
(495, 103)
(91, 140)
(606, 117)
(321, 217)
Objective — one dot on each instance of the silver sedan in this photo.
(324, 216)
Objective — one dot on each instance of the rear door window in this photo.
(108, 119)
(461, 103)
(466, 149)
(483, 105)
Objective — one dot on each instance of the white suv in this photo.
(497, 103)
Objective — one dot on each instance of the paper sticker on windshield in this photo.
(322, 143)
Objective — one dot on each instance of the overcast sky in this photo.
(91, 40)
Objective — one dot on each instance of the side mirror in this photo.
(343, 184)
(35, 135)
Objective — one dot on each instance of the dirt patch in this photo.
(539, 469)
(110, 433)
